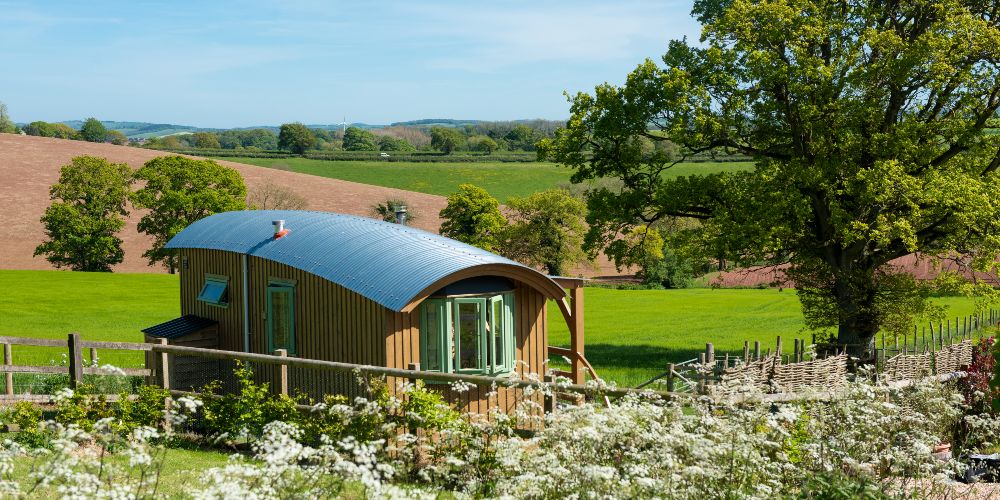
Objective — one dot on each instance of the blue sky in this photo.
(229, 64)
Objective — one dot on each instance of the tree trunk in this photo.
(858, 320)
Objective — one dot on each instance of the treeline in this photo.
(296, 138)
(91, 131)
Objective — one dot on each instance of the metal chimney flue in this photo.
(279, 228)
(401, 215)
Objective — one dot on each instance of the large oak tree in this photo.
(868, 125)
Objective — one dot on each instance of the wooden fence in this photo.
(159, 374)
(932, 350)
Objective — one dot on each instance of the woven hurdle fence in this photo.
(931, 350)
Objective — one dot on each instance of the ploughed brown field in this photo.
(29, 165)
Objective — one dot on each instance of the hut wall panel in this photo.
(402, 341)
(331, 323)
(192, 277)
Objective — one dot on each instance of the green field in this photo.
(630, 334)
(502, 180)
(100, 306)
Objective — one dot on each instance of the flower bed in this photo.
(877, 440)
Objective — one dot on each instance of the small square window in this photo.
(215, 291)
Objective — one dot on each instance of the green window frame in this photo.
(280, 317)
(474, 335)
(435, 349)
(215, 291)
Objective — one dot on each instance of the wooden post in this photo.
(93, 356)
(709, 353)
(549, 405)
(725, 362)
(756, 349)
(576, 334)
(8, 359)
(932, 338)
(282, 373)
(746, 351)
(778, 349)
(923, 339)
(702, 375)
(670, 376)
(795, 351)
(75, 361)
(895, 343)
(163, 364)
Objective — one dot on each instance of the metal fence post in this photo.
(75, 361)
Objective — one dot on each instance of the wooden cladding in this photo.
(402, 347)
(335, 324)
(195, 266)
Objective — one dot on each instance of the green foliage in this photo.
(87, 211)
(295, 137)
(27, 417)
(40, 129)
(6, 124)
(83, 408)
(868, 137)
(178, 191)
(145, 409)
(473, 216)
(242, 414)
(117, 138)
(93, 131)
(206, 140)
(427, 410)
(483, 143)
(546, 229)
(256, 138)
(522, 137)
(447, 139)
(671, 271)
(840, 486)
(386, 210)
(358, 139)
(390, 143)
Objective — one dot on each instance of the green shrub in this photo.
(146, 409)
(27, 417)
(244, 413)
(82, 407)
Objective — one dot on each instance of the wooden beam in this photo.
(576, 334)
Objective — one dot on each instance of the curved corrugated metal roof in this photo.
(388, 263)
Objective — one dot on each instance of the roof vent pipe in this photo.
(401, 215)
(279, 228)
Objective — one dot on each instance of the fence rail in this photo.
(159, 374)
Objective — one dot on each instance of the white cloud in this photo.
(500, 36)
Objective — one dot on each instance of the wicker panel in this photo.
(755, 374)
(819, 373)
(908, 366)
(952, 358)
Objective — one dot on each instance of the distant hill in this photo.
(146, 130)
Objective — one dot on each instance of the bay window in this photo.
(468, 334)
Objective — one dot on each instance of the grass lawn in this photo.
(180, 467)
(502, 180)
(100, 306)
(631, 335)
